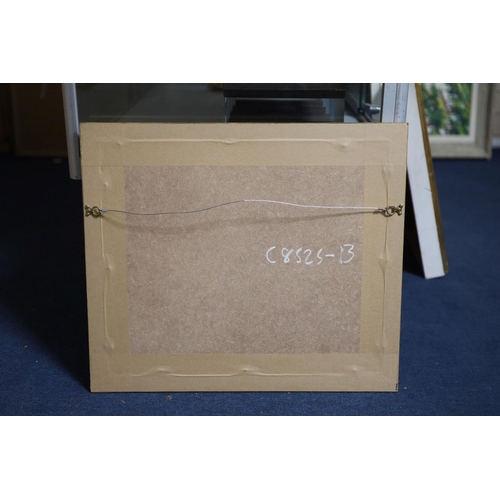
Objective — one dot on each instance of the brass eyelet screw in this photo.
(391, 210)
(94, 211)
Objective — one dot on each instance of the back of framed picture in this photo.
(244, 257)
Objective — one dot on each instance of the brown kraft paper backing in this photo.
(233, 320)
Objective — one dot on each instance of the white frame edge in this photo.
(72, 129)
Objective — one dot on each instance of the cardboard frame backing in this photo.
(109, 151)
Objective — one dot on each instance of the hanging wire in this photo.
(387, 211)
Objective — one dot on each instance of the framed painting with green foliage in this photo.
(458, 117)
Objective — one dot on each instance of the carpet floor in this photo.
(450, 327)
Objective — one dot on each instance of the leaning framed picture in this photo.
(424, 229)
(244, 256)
(458, 117)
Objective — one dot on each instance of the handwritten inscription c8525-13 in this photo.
(309, 256)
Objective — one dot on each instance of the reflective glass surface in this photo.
(207, 102)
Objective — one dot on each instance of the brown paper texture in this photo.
(250, 296)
